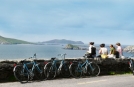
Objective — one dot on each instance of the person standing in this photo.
(91, 53)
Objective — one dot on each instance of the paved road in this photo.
(100, 81)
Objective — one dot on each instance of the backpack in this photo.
(116, 54)
(93, 51)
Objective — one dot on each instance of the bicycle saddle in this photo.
(79, 59)
(53, 58)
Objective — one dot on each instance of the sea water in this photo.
(42, 51)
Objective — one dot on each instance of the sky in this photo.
(100, 21)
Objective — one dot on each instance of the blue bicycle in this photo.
(77, 68)
(54, 68)
(131, 63)
(24, 73)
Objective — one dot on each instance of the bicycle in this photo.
(51, 69)
(77, 68)
(131, 63)
(23, 73)
(64, 67)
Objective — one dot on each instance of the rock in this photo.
(129, 49)
(74, 47)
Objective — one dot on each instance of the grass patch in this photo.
(112, 73)
(118, 73)
(12, 78)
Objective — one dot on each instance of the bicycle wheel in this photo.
(131, 66)
(21, 74)
(133, 72)
(65, 70)
(93, 69)
(50, 71)
(75, 71)
(39, 73)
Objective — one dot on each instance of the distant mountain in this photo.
(4, 40)
(63, 41)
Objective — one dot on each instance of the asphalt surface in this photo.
(100, 81)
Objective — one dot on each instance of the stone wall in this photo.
(107, 67)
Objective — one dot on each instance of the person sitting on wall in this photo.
(112, 52)
(91, 53)
(103, 51)
(119, 52)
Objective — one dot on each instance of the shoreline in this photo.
(37, 59)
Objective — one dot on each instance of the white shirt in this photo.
(103, 51)
(90, 46)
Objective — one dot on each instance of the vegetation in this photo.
(72, 47)
(4, 40)
(118, 73)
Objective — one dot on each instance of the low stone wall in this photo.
(114, 66)
(6, 70)
(107, 66)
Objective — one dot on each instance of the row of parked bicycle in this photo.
(51, 69)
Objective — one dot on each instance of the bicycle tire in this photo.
(65, 71)
(50, 71)
(93, 69)
(39, 73)
(131, 66)
(133, 72)
(75, 71)
(21, 74)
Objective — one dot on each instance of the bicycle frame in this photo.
(54, 62)
(131, 64)
(30, 71)
(85, 64)
(24, 73)
(80, 66)
(61, 63)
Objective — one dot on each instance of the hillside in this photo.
(63, 41)
(4, 40)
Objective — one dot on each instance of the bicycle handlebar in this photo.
(34, 56)
(62, 55)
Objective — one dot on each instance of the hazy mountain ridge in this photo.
(4, 40)
(63, 41)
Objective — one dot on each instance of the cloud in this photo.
(73, 19)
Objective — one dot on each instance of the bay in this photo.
(42, 51)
